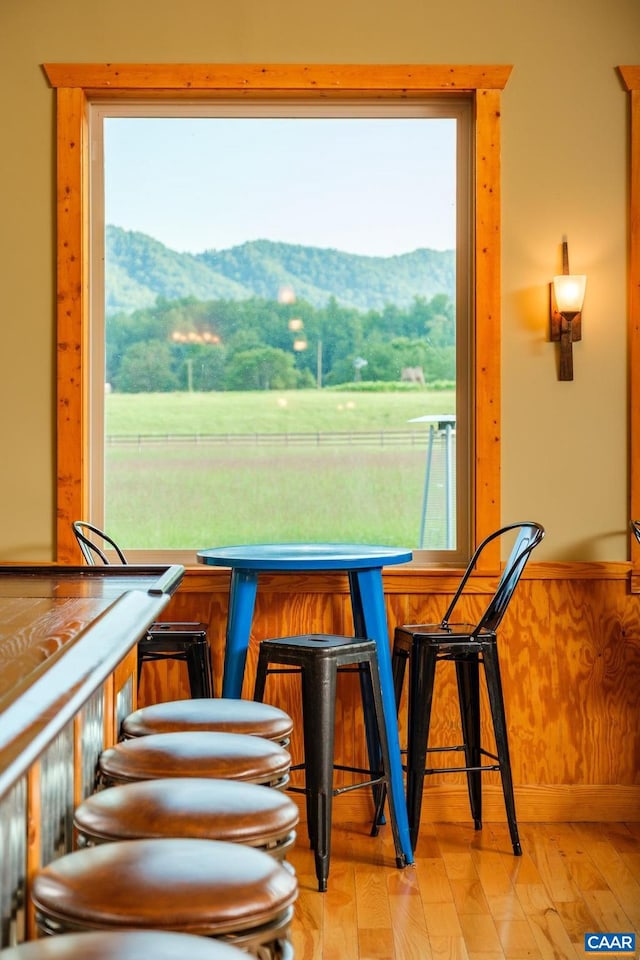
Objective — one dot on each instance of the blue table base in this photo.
(364, 568)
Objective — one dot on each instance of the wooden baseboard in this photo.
(534, 804)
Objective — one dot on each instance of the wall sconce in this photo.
(567, 298)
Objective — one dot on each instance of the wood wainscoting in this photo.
(570, 657)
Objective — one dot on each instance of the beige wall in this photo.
(565, 162)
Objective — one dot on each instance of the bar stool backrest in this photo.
(92, 542)
(186, 642)
(529, 536)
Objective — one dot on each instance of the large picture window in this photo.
(282, 323)
(263, 364)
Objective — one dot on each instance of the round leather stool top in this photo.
(188, 886)
(123, 945)
(218, 714)
(225, 756)
(190, 807)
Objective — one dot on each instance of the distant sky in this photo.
(375, 187)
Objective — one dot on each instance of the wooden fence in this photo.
(382, 438)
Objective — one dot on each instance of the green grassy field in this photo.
(198, 494)
(293, 411)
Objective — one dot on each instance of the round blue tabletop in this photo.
(304, 556)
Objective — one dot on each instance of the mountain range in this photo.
(139, 269)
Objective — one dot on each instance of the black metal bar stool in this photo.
(220, 714)
(318, 657)
(186, 642)
(220, 756)
(123, 945)
(225, 891)
(190, 807)
(469, 646)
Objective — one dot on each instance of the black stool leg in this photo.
(422, 669)
(496, 702)
(374, 748)
(261, 674)
(375, 751)
(467, 675)
(199, 666)
(399, 661)
(207, 669)
(319, 706)
(140, 664)
(262, 671)
(198, 659)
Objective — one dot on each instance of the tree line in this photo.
(261, 344)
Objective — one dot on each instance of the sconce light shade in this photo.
(568, 290)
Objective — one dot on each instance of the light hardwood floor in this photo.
(467, 897)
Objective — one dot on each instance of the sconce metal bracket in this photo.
(556, 322)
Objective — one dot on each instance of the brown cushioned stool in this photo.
(218, 714)
(125, 945)
(221, 756)
(221, 890)
(190, 807)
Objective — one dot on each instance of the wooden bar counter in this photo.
(68, 673)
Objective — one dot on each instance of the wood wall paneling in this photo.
(570, 657)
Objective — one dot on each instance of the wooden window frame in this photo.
(78, 85)
(631, 78)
